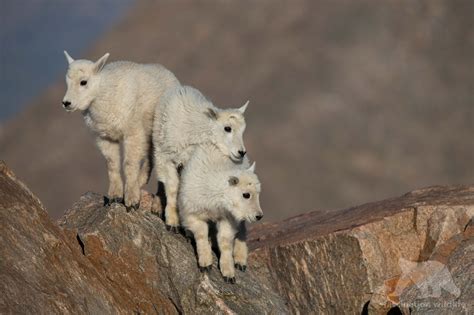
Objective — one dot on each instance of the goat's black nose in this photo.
(66, 103)
(242, 153)
(259, 217)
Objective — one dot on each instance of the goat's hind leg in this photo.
(171, 190)
(168, 175)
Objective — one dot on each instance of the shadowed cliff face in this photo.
(103, 260)
(349, 101)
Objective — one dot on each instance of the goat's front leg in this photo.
(200, 231)
(225, 240)
(240, 247)
(135, 149)
(111, 151)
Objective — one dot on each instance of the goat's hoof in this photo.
(188, 235)
(109, 201)
(205, 269)
(171, 228)
(229, 280)
(241, 267)
(133, 207)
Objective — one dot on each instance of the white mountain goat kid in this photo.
(213, 188)
(186, 119)
(118, 102)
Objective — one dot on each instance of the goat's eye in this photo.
(227, 129)
(246, 195)
(83, 82)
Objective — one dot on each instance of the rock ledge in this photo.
(366, 259)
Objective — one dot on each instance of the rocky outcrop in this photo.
(337, 262)
(367, 259)
(104, 260)
(135, 250)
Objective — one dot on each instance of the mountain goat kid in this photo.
(118, 103)
(213, 188)
(185, 120)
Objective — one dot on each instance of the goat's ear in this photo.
(211, 113)
(244, 107)
(69, 58)
(99, 64)
(233, 181)
(252, 167)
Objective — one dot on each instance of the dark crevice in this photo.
(365, 309)
(175, 306)
(395, 311)
(467, 225)
(81, 243)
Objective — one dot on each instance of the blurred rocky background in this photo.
(351, 101)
